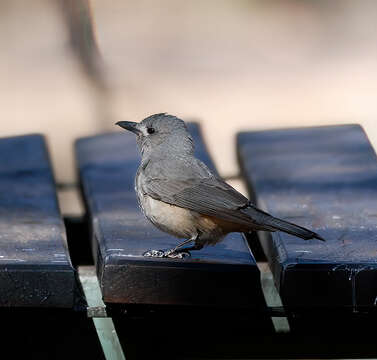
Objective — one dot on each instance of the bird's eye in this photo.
(150, 130)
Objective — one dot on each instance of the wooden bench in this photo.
(323, 178)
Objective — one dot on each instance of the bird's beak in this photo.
(129, 125)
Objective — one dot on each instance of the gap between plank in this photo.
(106, 332)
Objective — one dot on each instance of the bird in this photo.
(181, 196)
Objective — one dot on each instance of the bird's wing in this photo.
(198, 190)
(193, 186)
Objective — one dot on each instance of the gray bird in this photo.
(181, 196)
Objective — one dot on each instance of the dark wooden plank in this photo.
(45, 334)
(35, 269)
(323, 178)
(224, 275)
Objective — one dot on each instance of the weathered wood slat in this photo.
(35, 268)
(224, 275)
(323, 178)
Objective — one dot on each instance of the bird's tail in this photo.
(293, 229)
(274, 224)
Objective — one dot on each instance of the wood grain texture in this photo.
(323, 178)
(35, 268)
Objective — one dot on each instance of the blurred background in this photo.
(72, 68)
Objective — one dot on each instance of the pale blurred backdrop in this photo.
(231, 65)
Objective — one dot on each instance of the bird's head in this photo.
(160, 133)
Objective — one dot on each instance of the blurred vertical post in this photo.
(78, 18)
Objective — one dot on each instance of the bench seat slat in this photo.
(323, 178)
(35, 268)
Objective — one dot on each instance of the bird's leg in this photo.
(193, 247)
(177, 252)
(183, 243)
(180, 252)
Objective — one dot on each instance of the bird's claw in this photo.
(154, 253)
(177, 255)
(167, 254)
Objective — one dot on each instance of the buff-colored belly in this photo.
(183, 223)
(172, 219)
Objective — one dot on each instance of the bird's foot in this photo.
(154, 253)
(172, 254)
